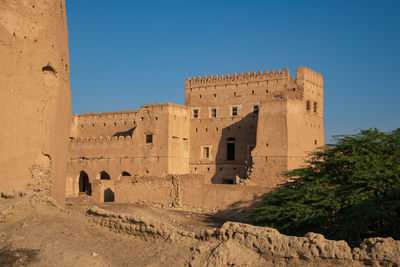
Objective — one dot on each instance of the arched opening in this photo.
(104, 176)
(124, 173)
(84, 184)
(108, 195)
(48, 68)
(230, 148)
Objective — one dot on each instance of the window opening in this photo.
(308, 104)
(104, 176)
(149, 138)
(255, 108)
(214, 113)
(195, 113)
(124, 173)
(230, 148)
(234, 111)
(206, 152)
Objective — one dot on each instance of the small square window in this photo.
(195, 113)
(234, 111)
(255, 108)
(213, 113)
(149, 138)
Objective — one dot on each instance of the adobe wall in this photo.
(289, 129)
(305, 126)
(185, 190)
(116, 142)
(35, 96)
(222, 93)
(270, 156)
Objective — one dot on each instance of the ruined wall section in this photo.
(34, 96)
(222, 94)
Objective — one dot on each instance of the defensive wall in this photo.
(232, 140)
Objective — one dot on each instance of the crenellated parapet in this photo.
(237, 78)
(306, 74)
(101, 139)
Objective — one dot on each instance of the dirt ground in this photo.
(36, 231)
(41, 235)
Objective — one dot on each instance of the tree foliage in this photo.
(349, 190)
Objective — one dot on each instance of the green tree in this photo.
(349, 190)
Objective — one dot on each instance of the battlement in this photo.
(304, 73)
(236, 78)
(126, 114)
(101, 139)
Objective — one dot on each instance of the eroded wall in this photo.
(34, 96)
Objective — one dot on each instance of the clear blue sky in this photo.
(127, 53)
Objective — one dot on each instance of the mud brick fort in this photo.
(231, 141)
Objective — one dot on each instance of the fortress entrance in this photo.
(108, 195)
(84, 184)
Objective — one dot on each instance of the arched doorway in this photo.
(84, 184)
(230, 148)
(108, 195)
(104, 176)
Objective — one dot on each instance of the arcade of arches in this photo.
(84, 184)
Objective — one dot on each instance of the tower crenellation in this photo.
(236, 78)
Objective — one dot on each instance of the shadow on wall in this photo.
(108, 195)
(233, 157)
(126, 133)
